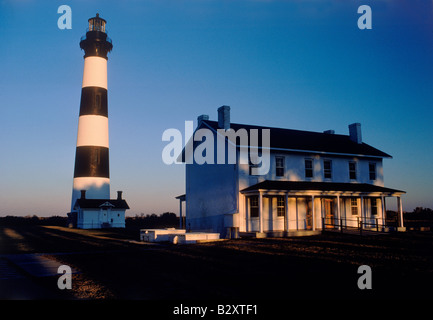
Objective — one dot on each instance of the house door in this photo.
(309, 216)
(329, 213)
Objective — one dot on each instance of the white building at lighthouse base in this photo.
(99, 213)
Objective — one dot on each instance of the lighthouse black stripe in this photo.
(94, 101)
(91, 161)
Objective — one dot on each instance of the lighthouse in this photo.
(91, 185)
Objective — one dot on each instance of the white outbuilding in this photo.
(99, 213)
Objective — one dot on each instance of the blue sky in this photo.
(295, 64)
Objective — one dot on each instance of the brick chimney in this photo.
(224, 117)
(201, 118)
(355, 132)
(119, 195)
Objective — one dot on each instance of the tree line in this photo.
(150, 221)
(419, 215)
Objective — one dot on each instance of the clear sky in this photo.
(300, 64)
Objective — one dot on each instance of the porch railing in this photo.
(344, 224)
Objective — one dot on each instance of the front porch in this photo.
(279, 234)
(288, 207)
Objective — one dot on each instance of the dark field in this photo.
(112, 266)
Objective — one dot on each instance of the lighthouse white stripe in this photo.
(96, 188)
(95, 72)
(92, 131)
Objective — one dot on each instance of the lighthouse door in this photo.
(104, 217)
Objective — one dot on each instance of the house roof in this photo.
(98, 203)
(307, 141)
(319, 186)
(182, 197)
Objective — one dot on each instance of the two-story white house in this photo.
(314, 180)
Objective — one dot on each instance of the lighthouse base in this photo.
(98, 213)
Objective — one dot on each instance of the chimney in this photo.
(119, 195)
(83, 194)
(201, 118)
(224, 117)
(329, 131)
(355, 132)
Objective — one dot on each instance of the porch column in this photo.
(362, 209)
(247, 210)
(382, 200)
(180, 214)
(181, 198)
(313, 216)
(260, 212)
(338, 211)
(400, 212)
(296, 205)
(286, 207)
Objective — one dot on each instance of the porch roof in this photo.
(329, 188)
(182, 197)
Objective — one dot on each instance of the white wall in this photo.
(94, 218)
(295, 169)
(211, 193)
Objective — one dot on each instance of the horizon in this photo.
(301, 65)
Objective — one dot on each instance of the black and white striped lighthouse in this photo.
(91, 171)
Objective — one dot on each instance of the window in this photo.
(373, 206)
(372, 170)
(279, 166)
(327, 169)
(254, 207)
(281, 206)
(352, 170)
(308, 168)
(354, 205)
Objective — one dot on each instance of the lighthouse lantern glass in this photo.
(96, 24)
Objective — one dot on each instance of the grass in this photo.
(315, 267)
